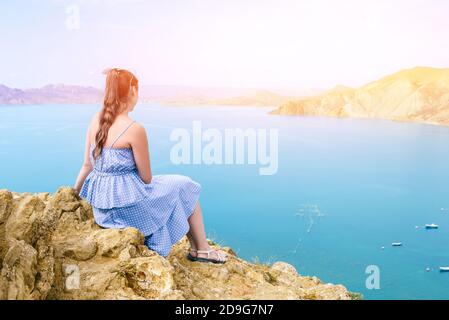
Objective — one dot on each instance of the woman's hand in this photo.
(84, 172)
(87, 166)
(76, 190)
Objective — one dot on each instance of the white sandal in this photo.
(221, 257)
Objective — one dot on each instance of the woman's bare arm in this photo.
(87, 165)
(141, 153)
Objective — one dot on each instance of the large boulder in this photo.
(51, 248)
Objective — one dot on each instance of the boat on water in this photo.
(432, 226)
(397, 244)
(444, 269)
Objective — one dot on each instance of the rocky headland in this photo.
(419, 94)
(51, 248)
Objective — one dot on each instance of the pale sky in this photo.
(232, 43)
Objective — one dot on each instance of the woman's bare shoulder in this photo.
(93, 126)
(138, 128)
(138, 132)
(94, 121)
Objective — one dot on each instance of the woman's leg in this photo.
(197, 235)
(192, 242)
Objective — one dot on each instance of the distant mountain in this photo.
(50, 94)
(165, 95)
(255, 98)
(420, 94)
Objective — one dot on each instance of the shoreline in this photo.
(433, 123)
(275, 111)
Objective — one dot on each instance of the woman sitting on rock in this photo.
(116, 179)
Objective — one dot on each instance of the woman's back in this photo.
(128, 136)
(116, 156)
(117, 128)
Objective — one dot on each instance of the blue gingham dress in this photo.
(120, 199)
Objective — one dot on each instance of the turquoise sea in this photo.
(344, 189)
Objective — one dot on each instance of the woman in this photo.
(116, 179)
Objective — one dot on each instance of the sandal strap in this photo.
(205, 251)
(219, 256)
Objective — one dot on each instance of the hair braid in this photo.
(118, 86)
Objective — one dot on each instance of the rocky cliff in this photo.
(51, 248)
(420, 94)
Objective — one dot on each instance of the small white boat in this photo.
(432, 226)
(444, 269)
(397, 244)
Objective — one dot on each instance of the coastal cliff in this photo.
(420, 94)
(51, 248)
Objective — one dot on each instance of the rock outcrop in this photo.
(51, 248)
(420, 94)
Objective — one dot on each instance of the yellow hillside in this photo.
(419, 94)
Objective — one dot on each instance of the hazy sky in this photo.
(237, 43)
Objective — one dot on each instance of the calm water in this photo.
(344, 189)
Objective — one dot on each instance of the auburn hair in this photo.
(119, 83)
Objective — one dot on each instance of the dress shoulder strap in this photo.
(121, 133)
